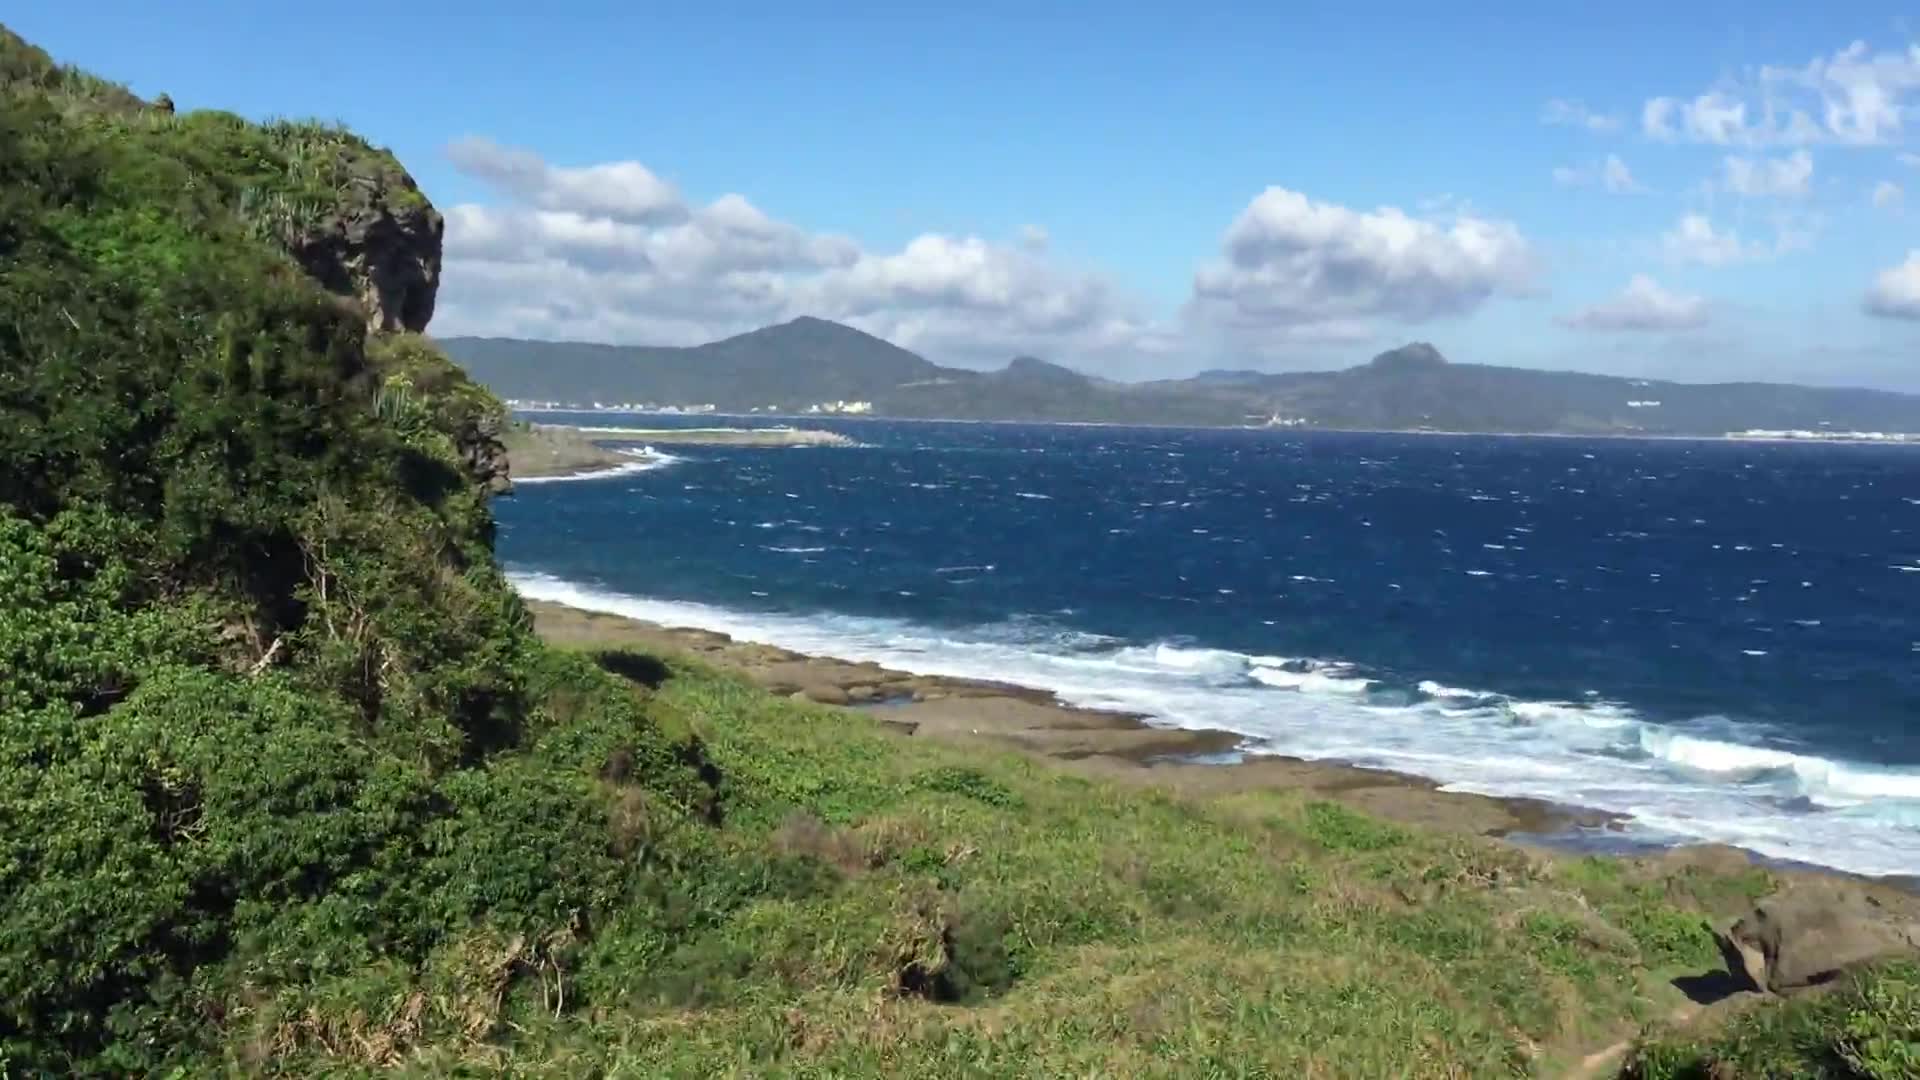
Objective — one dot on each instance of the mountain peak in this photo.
(813, 325)
(809, 334)
(1415, 356)
(1031, 367)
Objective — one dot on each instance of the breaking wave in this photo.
(1712, 779)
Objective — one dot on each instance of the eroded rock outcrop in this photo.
(381, 245)
(484, 452)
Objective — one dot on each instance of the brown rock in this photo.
(861, 693)
(824, 694)
(1814, 931)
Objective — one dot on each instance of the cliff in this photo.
(380, 244)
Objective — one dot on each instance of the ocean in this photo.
(1720, 640)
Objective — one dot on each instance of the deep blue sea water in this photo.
(1720, 639)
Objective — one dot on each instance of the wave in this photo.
(647, 460)
(1819, 780)
(1711, 780)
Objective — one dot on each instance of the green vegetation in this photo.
(1867, 1028)
(289, 785)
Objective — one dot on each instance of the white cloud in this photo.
(1311, 271)
(1611, 174)
(1615, 177)
(612, 253)
(1562, 112)
(1034, 237)
(1896, 290)
(1907, 159)
(620, 191)
(1695, 240)
(1781, 176)
(1853, 97)
(1887, 195)
(1644, 306)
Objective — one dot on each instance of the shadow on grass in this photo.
(1711, 987)
(648, 671)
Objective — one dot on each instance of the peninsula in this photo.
(540, 451)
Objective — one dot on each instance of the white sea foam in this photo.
(1709, 780)
(1307, 676)
(1441, 690)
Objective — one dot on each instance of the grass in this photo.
(1867, 1028)
(920, 909)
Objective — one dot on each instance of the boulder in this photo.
(861, 693)
(1811, 933)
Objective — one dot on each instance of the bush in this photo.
(274, 731)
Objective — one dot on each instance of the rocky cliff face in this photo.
(483, 449)
(380, 246)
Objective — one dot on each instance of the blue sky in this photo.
(1090, 188)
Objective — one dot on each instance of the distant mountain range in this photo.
(810, 364)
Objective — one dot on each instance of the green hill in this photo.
(290, 786)
(808, 361)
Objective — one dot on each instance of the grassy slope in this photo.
(966, 913)
(289, 785)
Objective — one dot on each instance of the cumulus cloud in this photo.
(1853, 97)
(1564, 113)
(1887, 195)
(1642, 306)
(611, 252)
(1896, 290)
(1695, 240)
(1303, 270)
(1791, 175)
(1612, 174)
(619, 191)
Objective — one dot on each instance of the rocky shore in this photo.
(1112, 745)
(1128, 749)
(541, 452)
(549, 451)
(709, 436)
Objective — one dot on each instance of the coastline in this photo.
(1620, 436)
(540, 452)
(713, 436)
(543, 452)
(1126, 748)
